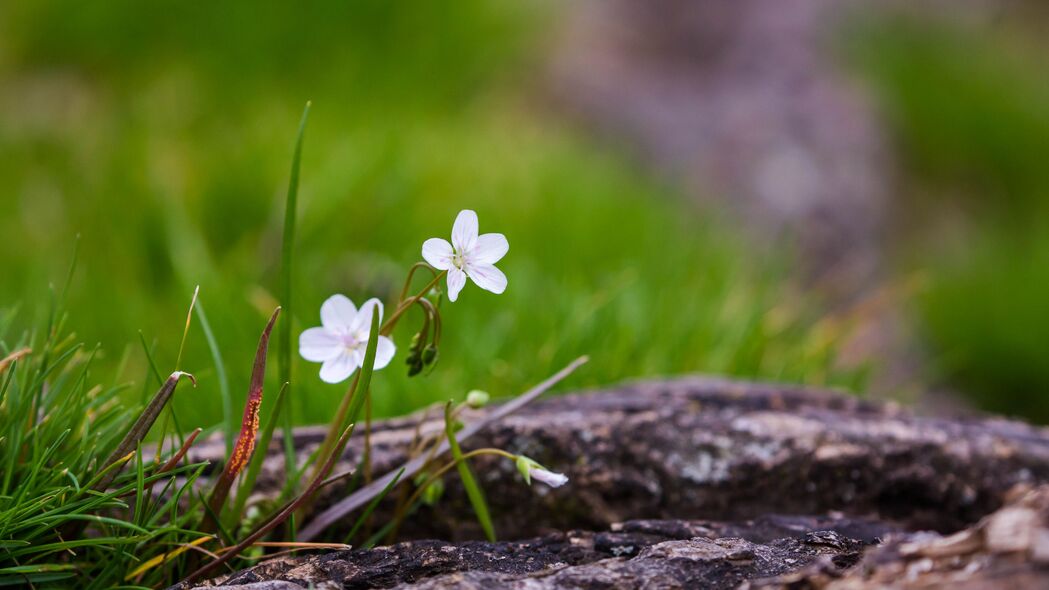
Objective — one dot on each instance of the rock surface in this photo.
(656, 553)
(739, 484)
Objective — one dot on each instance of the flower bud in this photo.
(529, 469)
(477, 399)
(433, 492)
(554, 480)
(429, 354)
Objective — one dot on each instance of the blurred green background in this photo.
(969, 110)
(161, 133)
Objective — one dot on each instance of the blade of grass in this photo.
(473, 491)
(141, 426)
(72, 270)
(247, 484)
(151, 371)
(185, 330)
(11, 358)
(178, 364)
(384, 531)
(23, 579)
(160, 381)
(165, 557)
(371, 506)
(249, 429)
(173, 461)
(286, 251)
(229, 420)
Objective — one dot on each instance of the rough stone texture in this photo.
(707, 448)
(1007, 549)
(659, 553)
(709, 463)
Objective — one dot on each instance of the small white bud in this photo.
(554, 480)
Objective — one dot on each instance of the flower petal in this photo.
(489, 249)
(363, 321)
(338, 313)
(318, 345)
(336, 370)
(438, 253)
(554, 480)
(464, 231)
(487, 277)
(384, 351)
(456, 282)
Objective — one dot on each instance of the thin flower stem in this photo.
(473, 491)
(418, 440)
(475, 453)
(340, 417)
(411, 275)
(404, 502)
(431, 312)
(439, 473)
(415, 448)
(405, 305)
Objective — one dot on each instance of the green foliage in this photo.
(971, 110)
(988, 315)
(165, 142)
(56, 429)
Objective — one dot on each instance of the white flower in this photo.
(554, 480)
(529, 469)
(469, 255)
(342, 339)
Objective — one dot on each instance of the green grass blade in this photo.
(141, 426)
(21, 580)
(149, 359)
(160, 381)
(286, 251)
(72, 270)
(185, 330)
(371, 506)
(473, 491)
(229, 419)
(367, 369)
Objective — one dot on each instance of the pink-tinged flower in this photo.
(554, 480)
(468, 255)
(342, 339)
(530, 470)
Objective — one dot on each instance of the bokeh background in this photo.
(847, 194)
